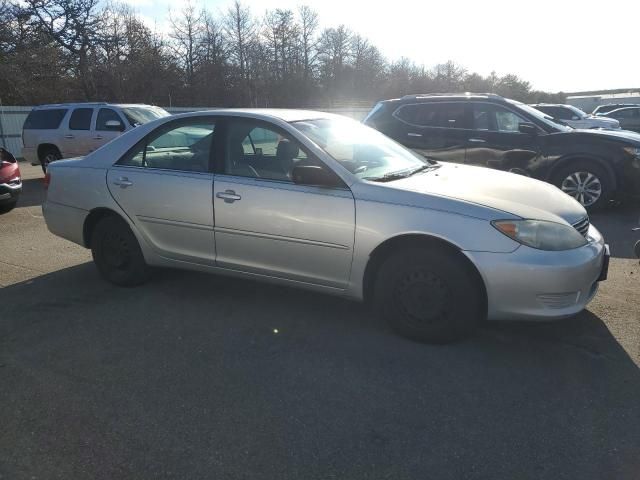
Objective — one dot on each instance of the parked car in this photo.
(576, 118)
(593, 166)
(602, 109)
(318, 201)
(10, 181)
(629, 117)
(52, 132)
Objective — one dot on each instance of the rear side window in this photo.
(444, 115)
(45, 119)
(81, 119)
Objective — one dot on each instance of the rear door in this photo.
(109, 124)
(164, 184)
(77, 138)
(495, 140)
(436, 130)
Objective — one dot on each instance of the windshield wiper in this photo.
(387, 177)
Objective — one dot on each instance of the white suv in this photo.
(52, 132)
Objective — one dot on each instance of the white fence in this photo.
(12, 119)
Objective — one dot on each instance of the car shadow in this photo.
(616, 225)
(216, 377)
(33, 193)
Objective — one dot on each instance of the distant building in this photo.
(589, 102)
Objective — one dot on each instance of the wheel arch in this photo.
(412, 240)
(43, 147)
(568, 160)
(92, 220)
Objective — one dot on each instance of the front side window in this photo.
(185, 147)
(108, 115)
(81, 119)
(495, 118)
(507, 121)
(258, 151)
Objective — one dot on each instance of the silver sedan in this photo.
(317, 201)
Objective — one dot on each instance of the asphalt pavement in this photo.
(196, 376)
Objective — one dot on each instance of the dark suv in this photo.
(593, 166)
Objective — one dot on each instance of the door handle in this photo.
(477, 140)
(229, 196)
(411, 134)
(123, 182)
(69, 136)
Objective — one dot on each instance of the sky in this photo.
(557, 45)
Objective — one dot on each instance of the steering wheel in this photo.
(253, 171)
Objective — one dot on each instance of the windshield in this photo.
(140, 115)
(363, 151)
(577, 111)
(543, 117)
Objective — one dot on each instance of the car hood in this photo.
(616, 135)
(515, 194)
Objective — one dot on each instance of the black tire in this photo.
(48, 155)
(7, 207)
(562, 178)
(429, 294)
(117, 254)
(636, 249)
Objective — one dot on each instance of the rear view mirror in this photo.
(528, 128)
(313, 175)
(114, 125)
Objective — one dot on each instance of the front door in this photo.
(268, 225)
(109, 125)
(77, 139)
(164, 185)
(495, 140)
(433, 129)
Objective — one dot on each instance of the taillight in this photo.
(47, 180)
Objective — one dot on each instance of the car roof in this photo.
(88, 104)
(446, 96)
(285, 114)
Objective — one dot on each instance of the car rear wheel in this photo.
(587, 182)
(117, 254)
(47, 156)
(430, 295)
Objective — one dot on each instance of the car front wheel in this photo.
(587, 182)
(430, 295)
(117, 254)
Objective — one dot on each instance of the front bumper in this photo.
(9, 192)
(530, 284)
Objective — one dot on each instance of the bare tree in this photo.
(187, 28)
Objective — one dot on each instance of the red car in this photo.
(10, 181)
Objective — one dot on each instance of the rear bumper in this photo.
(9, 192)
(530, 284)
(65, 221)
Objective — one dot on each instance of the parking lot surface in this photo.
(196, 376)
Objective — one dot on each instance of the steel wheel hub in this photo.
(583, 186)
(423, 297)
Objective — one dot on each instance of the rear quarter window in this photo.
(44, 119)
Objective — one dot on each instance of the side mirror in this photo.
(114, 125)
(313, 175)
(528, 128)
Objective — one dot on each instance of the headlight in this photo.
(541, 235)
(633, 151)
